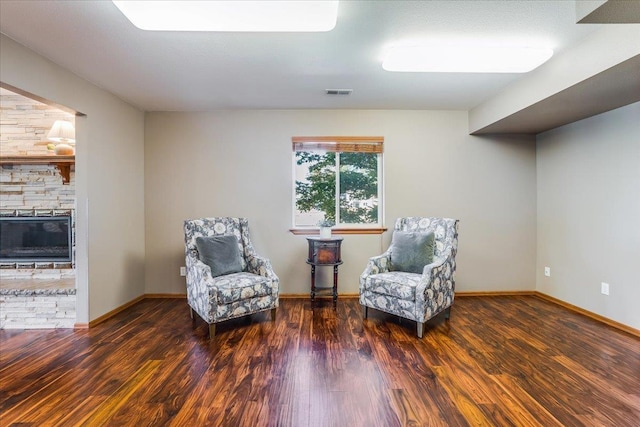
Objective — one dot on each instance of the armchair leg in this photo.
(212, 331)
(365, 311)
(420, 329)
(273, 314)
(447, 313)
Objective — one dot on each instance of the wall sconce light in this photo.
(64, 135)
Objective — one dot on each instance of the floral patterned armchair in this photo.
(215, 299)
(417, 297)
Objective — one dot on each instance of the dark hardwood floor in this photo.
(517, 361)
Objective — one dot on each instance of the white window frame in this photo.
(353, 144)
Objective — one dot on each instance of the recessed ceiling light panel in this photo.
(222, 15)
(464, 59)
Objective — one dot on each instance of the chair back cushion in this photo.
(444, 229)
(218, 226)
(411, 251)
(221, 253)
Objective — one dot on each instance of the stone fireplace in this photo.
(37, 221)
(35, 194)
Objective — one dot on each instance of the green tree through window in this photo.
(343, 186)
(358, 188)
(318, 189)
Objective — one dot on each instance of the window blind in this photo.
(341, 144)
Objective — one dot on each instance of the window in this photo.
(338, 179)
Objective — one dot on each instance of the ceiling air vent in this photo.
(339, 91)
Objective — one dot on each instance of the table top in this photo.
(328, 239)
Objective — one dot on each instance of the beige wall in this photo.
(589, 213)
(109, 179)
(239, 163)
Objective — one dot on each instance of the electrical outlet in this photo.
(604, 288)
(547, 271)
(183, 271)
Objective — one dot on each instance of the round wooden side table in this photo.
(324, 252)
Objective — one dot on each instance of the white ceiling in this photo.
(187, 71)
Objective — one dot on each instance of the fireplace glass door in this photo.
(34, 239)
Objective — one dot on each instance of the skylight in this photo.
(465, 59)
(248, 16)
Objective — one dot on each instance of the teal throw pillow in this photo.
(410, 252)
(221, 253)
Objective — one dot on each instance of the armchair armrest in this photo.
(375, 265)
(199, 285)
(261, 266)
(428, 269)
(437, 279)
(198, 275)
(438, 262)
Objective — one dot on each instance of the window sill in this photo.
(315, 231)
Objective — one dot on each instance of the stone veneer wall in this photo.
(24, 123)
(35, 187)
(37, 309)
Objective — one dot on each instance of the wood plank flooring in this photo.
(499, 361)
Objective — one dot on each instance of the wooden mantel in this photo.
(63, 163)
